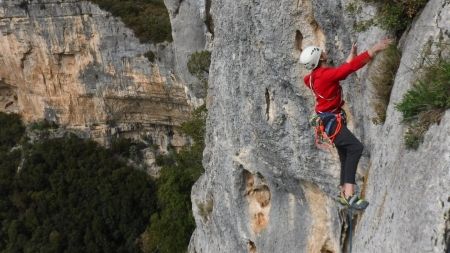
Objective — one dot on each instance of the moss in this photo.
(205, 209)
(149, 19)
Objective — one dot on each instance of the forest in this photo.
(73, 195)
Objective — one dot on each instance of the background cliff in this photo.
(74, 64)
(266, 186)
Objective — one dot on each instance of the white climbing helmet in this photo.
(310, 57)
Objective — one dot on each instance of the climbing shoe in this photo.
(353, 202)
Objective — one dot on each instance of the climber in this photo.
(324, 83)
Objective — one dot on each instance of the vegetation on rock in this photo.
(198, 66)
(148, 19)
(426, 102)
(172, 226)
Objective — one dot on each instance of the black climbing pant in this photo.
(350, 151)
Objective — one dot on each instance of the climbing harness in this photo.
(323, 124)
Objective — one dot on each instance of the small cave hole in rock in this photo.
(298, 40)
(251, 247)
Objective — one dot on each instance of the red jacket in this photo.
(325, 83)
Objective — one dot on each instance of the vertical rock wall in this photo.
(266, 186)
(410, 190)
(269, 186)
(189, 35)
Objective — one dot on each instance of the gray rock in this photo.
(189, 35)
(266, 187)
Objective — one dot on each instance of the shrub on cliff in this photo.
(425, 103)
(172, 226)
(198, 65)
(148, 19)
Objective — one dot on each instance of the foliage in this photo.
(127, 148)
(195, 127)
(70, 195)
(172, 226)
(426, 102)
(382, 79)
(11, 130)
(148, 19)
(43, 125)
(198, 64)
(393, 15)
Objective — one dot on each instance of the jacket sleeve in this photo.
(306, 79)
(341, 72)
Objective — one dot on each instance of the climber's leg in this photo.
(348, 143)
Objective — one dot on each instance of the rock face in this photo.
(267, 187)
(72, 63)
(189, 35)
(410, 190)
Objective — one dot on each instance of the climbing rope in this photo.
(350, 218)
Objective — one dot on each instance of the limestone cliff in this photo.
(266, 186)
(77, 65)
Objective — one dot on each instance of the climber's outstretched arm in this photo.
(353, 53)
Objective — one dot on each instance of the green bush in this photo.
(426, 102)
(171, 228)
(382, 78)
(148, 19)
(198, 64)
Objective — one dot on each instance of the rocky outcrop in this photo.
(74, 64)
(269, 188)
(189, 35)
(410, 190)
